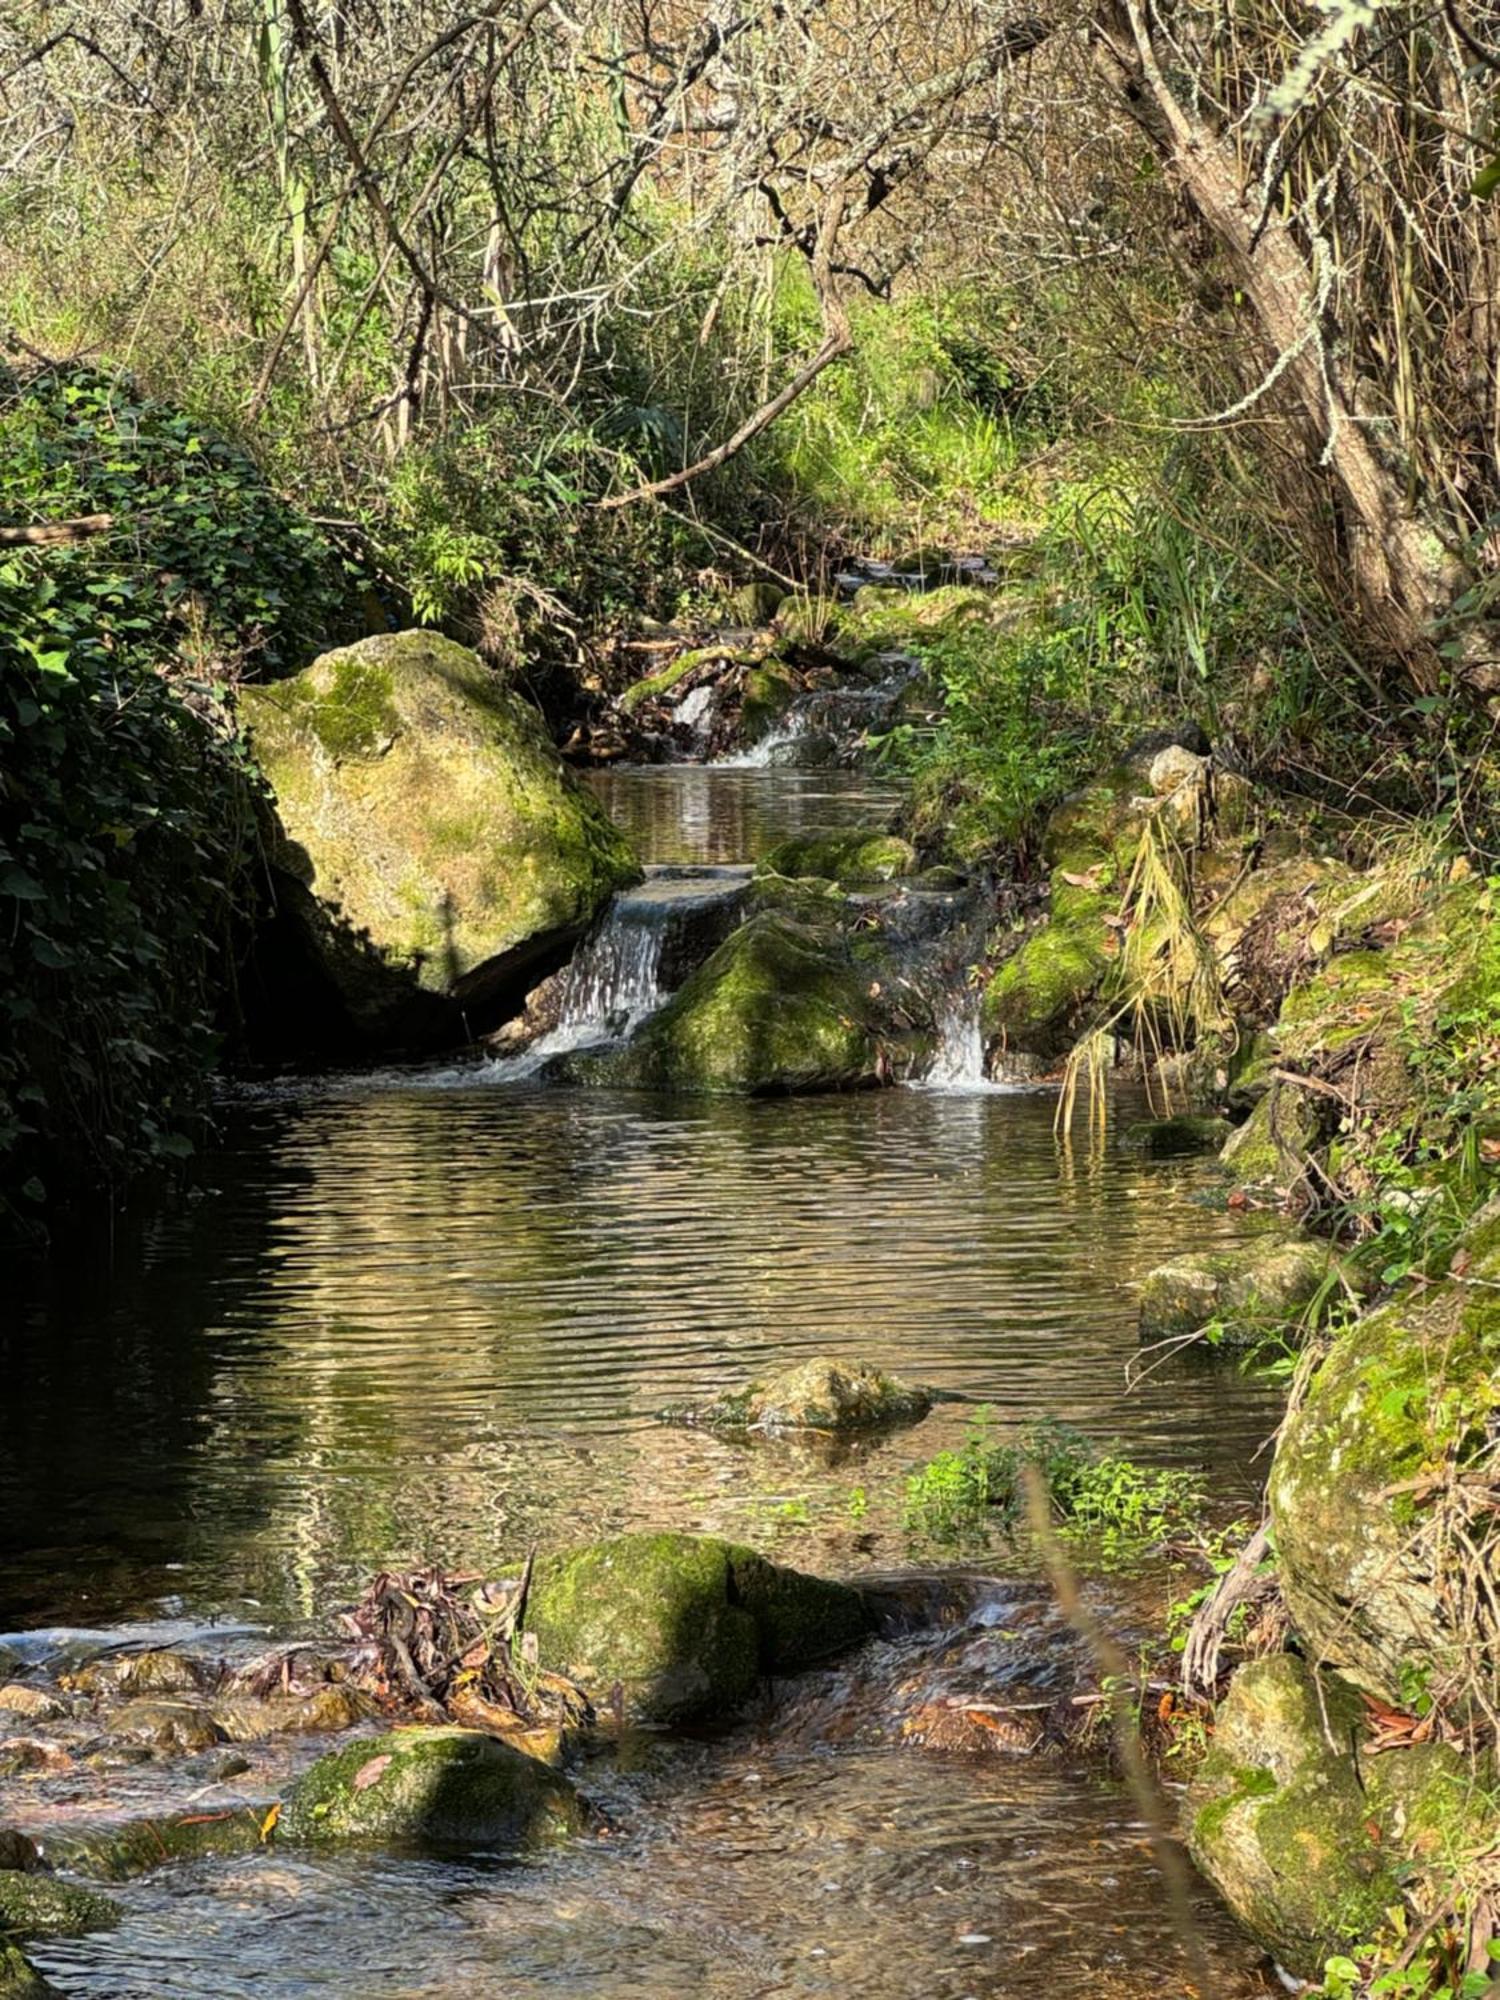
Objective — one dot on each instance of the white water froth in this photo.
(770, 750)
(611, 987)
(958, 1063)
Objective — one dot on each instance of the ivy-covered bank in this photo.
(128, 812)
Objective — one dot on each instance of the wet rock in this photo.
(816, 1395)
(35, 1905)
(20, 1980)
(445, 1788)
(165, 1724)
(1364, 1475)
(18, 1850)
(684, 1625)
(854, 859)
(158, 1672)
(1306, 1848)
(1176, 1137)
(31, 1704)
(780, 1006)
(245, 1720)
(119, 1850)
(22, 1754)
(1253, 1289)
(441, 847)
(769, 692)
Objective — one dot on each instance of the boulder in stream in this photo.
(683, 1625)
(433, 851)
(432, 1787)
(859, 858)
(816, 1395)
(1249, 1290)
(782, 1005)
(19, 1979)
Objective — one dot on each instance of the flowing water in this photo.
(432, 1317)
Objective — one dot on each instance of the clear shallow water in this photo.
(411, 1318)
(715, 813)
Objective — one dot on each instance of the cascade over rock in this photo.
(433, 852)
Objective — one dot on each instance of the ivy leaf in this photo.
(1486, 181)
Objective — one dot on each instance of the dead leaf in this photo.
(371, 1773)
(268, 1824)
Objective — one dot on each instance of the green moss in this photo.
(769, 692)
(35, 1905)
(683, 1624)
(1035, 1001)
(854, 859)
(115, 1851)
(780, 1006)
(819, 1395)
(1256, 1288)
(1169, 1138)
(20, 1980)
(431, 1788)
(1270, 1151)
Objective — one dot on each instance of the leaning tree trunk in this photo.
(1409, 579)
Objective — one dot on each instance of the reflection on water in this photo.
(713, 813)
(437, 1323)
(414, 1323)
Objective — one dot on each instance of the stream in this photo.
(430, 1315)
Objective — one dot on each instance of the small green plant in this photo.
(1118, 1507)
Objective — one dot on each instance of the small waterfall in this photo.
(958, 1061)
(612, 983)
(773, 748)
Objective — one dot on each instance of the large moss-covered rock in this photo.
(856, 859)
(443, 1788)
(441, 845)
(769, 692)
(1249, 1290)
(1278, 1820)
(1404, 1403)
(34, 1905)
(683, 1625)
(815, 1395)
(116, 1850)
(780, 1006)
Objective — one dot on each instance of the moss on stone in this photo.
(19, 1979)
(684, 1625)
(1249, 1290)
(117, 1850)
(780, 1006)
(423, 804)
(1270, 1151)
(34, 1905)
(769, 692)
(856, 859)
(1405, 1396)
(431, 1788)
(820, 1394)
(1171, 1138)
(1035, 1002)
(1279, 1822)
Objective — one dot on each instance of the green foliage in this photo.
(127, 816)
(1120, 1509)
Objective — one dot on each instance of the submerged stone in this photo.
(1250, 1290)
(1170, 1138)
(35, 1905)
(819, 1395)
(158, 1672)
(31, 1704)
(441, 845)
(683, 1625)
(118, 1850)
(440, 1787)
(166, 1724)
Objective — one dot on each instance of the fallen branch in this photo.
(55, 534)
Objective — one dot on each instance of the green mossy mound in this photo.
(20, 1980)
(816, 1395)
(857, 859)
(118, 1850)
(33, 1905)
(1404, 1403)
(431, 1788)
(769, 692)
(780, 1006)
(1280, 1823)
(428, 820)
(1249, 1291)
(685, 1625)
(1174, 1138)
(1270, 1151)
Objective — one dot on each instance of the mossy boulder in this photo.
(155, 1672)
(816, 1395)
(431, 1788)
(1250, 1289)
(769, 692)
(117, 1850)
(35, 1905)
(780, 1006)
(857, 859)
(1270, 1151)
(683, 1625)
(441, 846)
(1361, 1487)
(1279, 1822)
